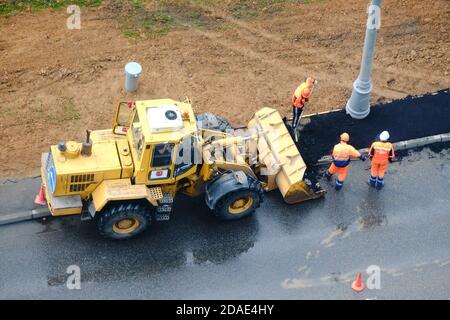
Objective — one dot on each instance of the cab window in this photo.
(138, 138)
(162, 155)
(122, 117)
(187, 155)
(123, 114)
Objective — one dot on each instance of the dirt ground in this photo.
(55, 82)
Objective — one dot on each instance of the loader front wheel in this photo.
(238, 205)
(122, 221)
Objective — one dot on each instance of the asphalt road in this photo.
(308, 251)
(405, 119)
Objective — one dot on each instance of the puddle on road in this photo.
(298, 283)
(329, 240)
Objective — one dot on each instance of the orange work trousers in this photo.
(378, 169)
(342, 172)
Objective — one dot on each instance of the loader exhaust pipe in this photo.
(86, 148)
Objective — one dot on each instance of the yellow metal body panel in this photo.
(126, 160)
(65, 212)
(205, 172)
(104, 158)
(78, 174)
(122, 189)
(101, 165)
(49, 198)
(106, 135)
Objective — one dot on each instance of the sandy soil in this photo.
(56, 82)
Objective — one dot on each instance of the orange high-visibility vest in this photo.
(380, 152)
(342, 152)
(297, 99)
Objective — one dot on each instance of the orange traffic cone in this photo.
(40, 198)
(358, 284)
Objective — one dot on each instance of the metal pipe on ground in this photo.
(398, 146)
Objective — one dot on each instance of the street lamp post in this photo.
(358, 105)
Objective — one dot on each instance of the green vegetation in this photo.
(69, 112)
(145, 18)
(11, 7)
(63, 111)
(245, 9)
(153, 18)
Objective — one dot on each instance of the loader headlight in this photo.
(51, 178)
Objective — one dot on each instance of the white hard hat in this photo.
(384, 136)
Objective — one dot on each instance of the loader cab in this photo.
(162, 135)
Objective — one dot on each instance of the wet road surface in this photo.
(308, 251)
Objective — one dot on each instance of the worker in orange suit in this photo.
(299, 99)
(381, 153)
(342, 154)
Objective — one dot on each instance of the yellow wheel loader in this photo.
(126, 178)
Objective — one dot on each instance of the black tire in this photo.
(224, 207)
(210, 121)
(112, 222)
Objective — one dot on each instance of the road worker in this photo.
(380, 152)
(299, 99)
(342, 154)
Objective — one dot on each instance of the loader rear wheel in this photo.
(238, 204)
(122, 221)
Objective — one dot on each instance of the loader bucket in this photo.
(300, 192)
(278, 152)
